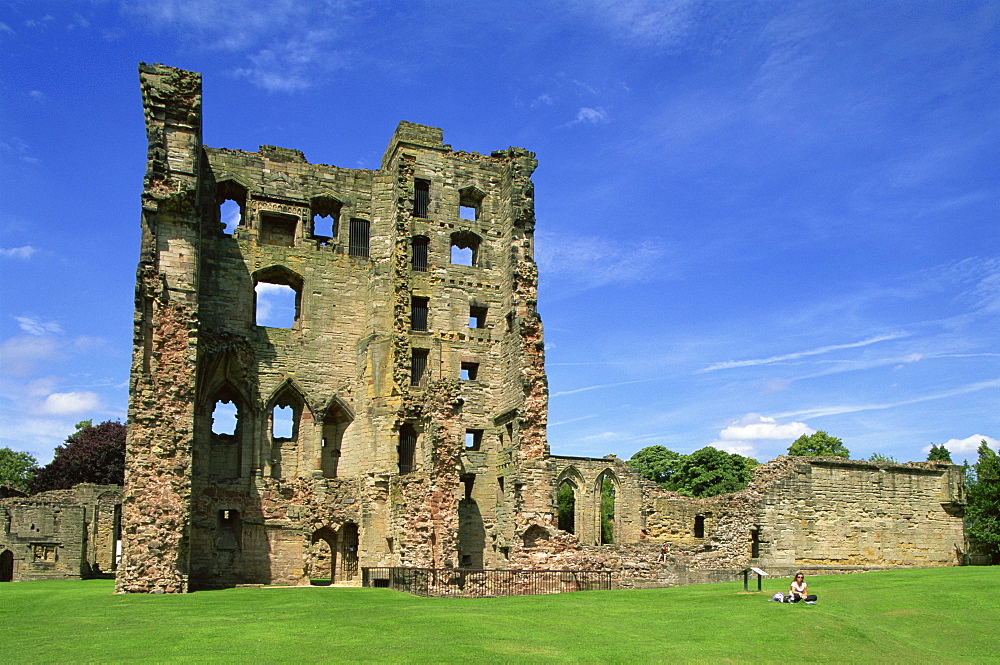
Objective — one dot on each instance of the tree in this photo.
(655, 463)
(982, 514)
(818, 444)
(607, 511)
(17, 469)
(92, 454)
(885, 459)
(710, 471)
(938, 454)
(566, 507)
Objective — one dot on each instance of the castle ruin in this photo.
(412, 364)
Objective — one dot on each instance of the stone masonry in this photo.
(62, 534)
(413, 369)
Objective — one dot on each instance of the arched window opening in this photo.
(232, 199)
(325, 218)
(464, 248)
(566, 506)
(224, 453)
(607, 508)
(419, 246)
(534, 536)
(283, 422)
(407, 448)
(277, 297)
(224, 417)
(230, 214)
(699, 526)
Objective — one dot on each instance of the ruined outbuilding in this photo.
(412, 366)
(61, 534)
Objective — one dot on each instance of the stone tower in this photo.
(410, 361)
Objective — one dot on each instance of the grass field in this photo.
(915, 616)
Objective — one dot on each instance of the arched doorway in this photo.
(606, 490)
(323, 557)
(6, 566)
(566, 506)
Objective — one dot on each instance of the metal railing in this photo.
(470, 583)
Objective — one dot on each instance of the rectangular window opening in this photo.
(418, 257)
(470, 371)
(418, 313)
(276, 305)
(278, 230)
(477, 317)
(358, 238)
(470, 213)
(418, 366)
(421, 197)
(473, 439)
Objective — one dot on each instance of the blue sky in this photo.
(755, 219)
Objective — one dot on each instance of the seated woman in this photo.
(800, 590)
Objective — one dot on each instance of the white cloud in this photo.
(24, 252)
(64, 404)
(646, 22)
(801, 354)
(35, 326)
(20, 354)
(754, 426)
(593, 116)
(738, 447)
(602, 436)
(969, 444)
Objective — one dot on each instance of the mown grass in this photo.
(920, 616)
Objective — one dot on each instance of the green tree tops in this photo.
(938, 454)
(982, 515)
(17, 469)
(656, 463)
(818, 444)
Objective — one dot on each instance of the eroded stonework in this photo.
(412, 363)
(61, 534)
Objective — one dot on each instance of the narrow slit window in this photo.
(477, 317)
(699, 526)
(470, 371)
(421, 197)
(358, 241)
(418, 256)
(418, 313)
(407, 448)
(418, 367)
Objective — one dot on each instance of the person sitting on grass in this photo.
(800, 590)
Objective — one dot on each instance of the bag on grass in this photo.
(778, 597)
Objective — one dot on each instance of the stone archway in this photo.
(6, 566)
(323, 557)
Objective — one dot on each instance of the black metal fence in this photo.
(466, 583)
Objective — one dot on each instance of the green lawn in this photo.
(916, 616)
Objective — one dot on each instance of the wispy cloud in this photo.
(854, 408)
(24, 252)
(589, 262)
(34, 325)
(602, 386)
(590, 116)
(800, 354)
(289, 45)
(662, 23)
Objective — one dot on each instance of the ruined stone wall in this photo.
(61, 534)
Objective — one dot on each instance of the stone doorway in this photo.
(6, 566)
(349, 552)
(323, 557)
